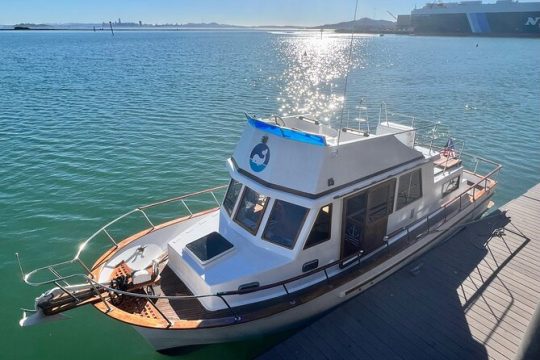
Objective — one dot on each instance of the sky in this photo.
(234, 12)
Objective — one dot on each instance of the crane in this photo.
(392, 15)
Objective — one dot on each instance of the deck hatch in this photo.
(209, 246)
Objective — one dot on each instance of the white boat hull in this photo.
(166, 339)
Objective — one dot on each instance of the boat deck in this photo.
(189, 309)
(172, 313)
(470, 298)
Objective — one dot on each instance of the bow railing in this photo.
(105, 233)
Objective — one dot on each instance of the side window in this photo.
(450, 186)
(231, 196)
(409, 188)
(322, 228)
(380, 202)
(250, 210)
(284, 223)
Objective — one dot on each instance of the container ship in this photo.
(503, 18)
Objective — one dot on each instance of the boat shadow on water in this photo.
(426, 309)
(247, 349)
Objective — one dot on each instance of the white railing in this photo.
(53, 269)
(397, 117)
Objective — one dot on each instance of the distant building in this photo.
(140, 23)
(404, 23)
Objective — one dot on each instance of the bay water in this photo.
(93, 125)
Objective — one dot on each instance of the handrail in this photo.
(103, 229)
(482, 179)
(445, 205)
(182, 197)
(277, 284)
(385, 117)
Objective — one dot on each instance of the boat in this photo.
(502, 18)
(312, 216)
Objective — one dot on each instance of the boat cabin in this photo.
(303, 195)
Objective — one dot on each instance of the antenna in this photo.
(347, 76)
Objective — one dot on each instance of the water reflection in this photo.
(315, 71)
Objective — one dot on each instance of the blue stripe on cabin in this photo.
(288, 133)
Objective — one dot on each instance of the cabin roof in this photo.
(308, 161)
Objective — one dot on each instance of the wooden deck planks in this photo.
(472, 299)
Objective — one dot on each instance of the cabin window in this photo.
(450, 186)
(321, 228)
(284, 223)
(250, 210)
(409, 189)
(231, 196)
(380, 201)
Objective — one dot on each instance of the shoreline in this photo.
(328, 31)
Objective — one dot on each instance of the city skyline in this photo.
(233, 12)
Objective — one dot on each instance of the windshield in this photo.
(232, 196)
(284, 223)
(250, 210)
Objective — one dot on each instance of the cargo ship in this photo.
(502, 18)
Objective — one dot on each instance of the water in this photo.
(92, 125)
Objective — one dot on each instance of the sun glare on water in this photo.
(315, 74)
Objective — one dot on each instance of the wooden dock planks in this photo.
(472, 298)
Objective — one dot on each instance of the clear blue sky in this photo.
(239, 12)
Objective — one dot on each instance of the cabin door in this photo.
(354, 220)
(365, 219)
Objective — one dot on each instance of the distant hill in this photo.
(217, 26)
(363, 24)
(209, 25)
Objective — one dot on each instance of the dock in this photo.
(472, 297)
